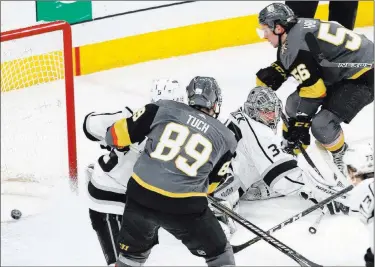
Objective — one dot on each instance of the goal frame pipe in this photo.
(69, 79)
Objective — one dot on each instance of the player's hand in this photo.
(298, 132)
(336, 207)
(105, 147)
(272, 76)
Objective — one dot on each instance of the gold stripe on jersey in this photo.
(120, 133)
(316, 90)
(212, 187)
(164, 192)
(359, 73)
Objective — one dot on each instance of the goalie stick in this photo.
(301, 260)
(321, 204)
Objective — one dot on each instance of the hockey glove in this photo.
(272, 76)
(298, 131)
(336, 207)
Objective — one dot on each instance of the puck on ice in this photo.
(16, 214)
(312, 230)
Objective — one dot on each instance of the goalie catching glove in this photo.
(273, 76)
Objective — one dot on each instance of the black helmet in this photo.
(204, 92)
(277, 14)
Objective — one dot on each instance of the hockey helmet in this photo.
(359, 159)
(277, 14)
(204, 92)
(167, 89)
(264, 106)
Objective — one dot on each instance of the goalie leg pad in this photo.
(107, 227)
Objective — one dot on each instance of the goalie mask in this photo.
(204, 92)
(167, 89)
(264, 106)
(359, 160)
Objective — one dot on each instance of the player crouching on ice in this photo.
(311, 51)
(108, 177)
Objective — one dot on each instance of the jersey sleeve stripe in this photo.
(277, 171)
(236, 130)
(120, 134)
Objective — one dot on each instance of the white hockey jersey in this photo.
(111, 172)
(361, 204)
(259, 157)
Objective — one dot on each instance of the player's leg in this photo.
(107, 227)
(106, 206)
(138, 234)
(202, 235)
(343, 102)
(303, 9)
(344, 12)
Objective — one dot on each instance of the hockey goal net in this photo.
(38, 137)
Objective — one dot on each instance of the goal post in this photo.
(39, 68)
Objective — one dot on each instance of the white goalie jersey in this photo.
(260, 159)
(109, 175)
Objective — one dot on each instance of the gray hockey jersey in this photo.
(338, 45)
(187, 154)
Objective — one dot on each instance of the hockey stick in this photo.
(314, 47)
(301, 260)
(314, 228)
(294, 218)
(303, 151)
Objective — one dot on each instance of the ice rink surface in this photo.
(55, 227)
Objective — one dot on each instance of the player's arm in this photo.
(311, 87)
(273, 76)
(278, 169)
(131, 130)
(220, 171)
(95, 124)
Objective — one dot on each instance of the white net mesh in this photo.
(33, 113)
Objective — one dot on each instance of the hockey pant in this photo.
(343, 102)
(200, 233)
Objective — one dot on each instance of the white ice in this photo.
(55, 228)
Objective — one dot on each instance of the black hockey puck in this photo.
(16, 214)
(312, 230)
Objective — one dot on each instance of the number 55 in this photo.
(339, 38)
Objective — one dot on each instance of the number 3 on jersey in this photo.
(171, 141)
